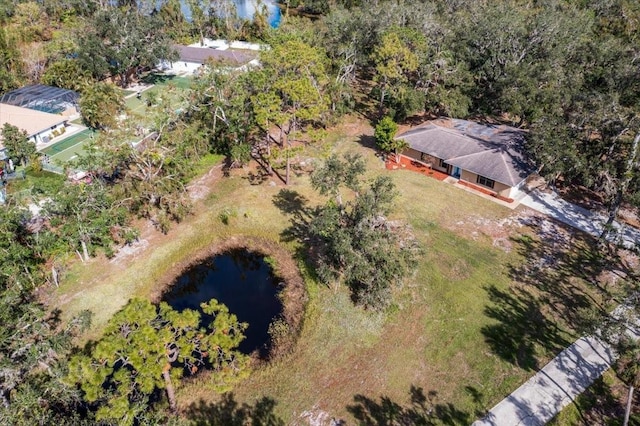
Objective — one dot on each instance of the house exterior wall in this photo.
(434, 162)
(498, 188)
(42, 136)
(189, 68)
(412, 153)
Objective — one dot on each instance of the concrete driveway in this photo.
(554, 387)
(580, 218)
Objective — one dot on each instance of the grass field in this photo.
(166, 80)
(168, 87)
(66, 149)
(465, 331)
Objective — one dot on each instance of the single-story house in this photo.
(192, 57)
(38, 125)
(486, 157)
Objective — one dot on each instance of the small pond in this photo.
(241, 280)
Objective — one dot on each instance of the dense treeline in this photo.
(566, 70)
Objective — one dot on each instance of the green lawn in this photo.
(160, 92)
(63, 151)
(165, 88)
(165, 80)
(466, 329)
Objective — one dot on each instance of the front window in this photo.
(484, 181)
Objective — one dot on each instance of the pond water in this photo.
(243, 282)
(246, 9)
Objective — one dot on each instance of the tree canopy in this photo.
(147, 347)
(564, 71)
(357, 244)
(17, 143)
(119, 42)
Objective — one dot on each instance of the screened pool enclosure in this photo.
(42, 98)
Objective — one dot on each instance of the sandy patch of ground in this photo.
(201, 187)
(316, 417)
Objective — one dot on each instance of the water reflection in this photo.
(242, 281)
(246, 9)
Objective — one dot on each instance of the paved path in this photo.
(554, 206)
(554, 387)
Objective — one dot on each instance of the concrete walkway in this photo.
(554, 387)
(553, 206)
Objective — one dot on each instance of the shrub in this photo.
(226, 214)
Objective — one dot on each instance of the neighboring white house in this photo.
(38, 125)
(235, 54)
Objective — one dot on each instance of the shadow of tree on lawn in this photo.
(565, 285)
(368, 141)
(521, 325)
(228, 412)
(423, 410)
(296, 206)
(598, 403)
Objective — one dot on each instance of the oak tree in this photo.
(17, 143)
(119, 42)
(356, 244)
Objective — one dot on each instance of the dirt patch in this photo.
(317, 417)
(200, 188)
(293, 295)
(130, 250)
(499, 231)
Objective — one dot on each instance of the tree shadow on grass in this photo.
(156, 78)
(598, 403)
(368, 141)
(521, 326)
(423, 410)
(295, 205)
(228, 412)
(563, 286)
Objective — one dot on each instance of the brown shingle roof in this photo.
(488, 150)
(200, 55)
